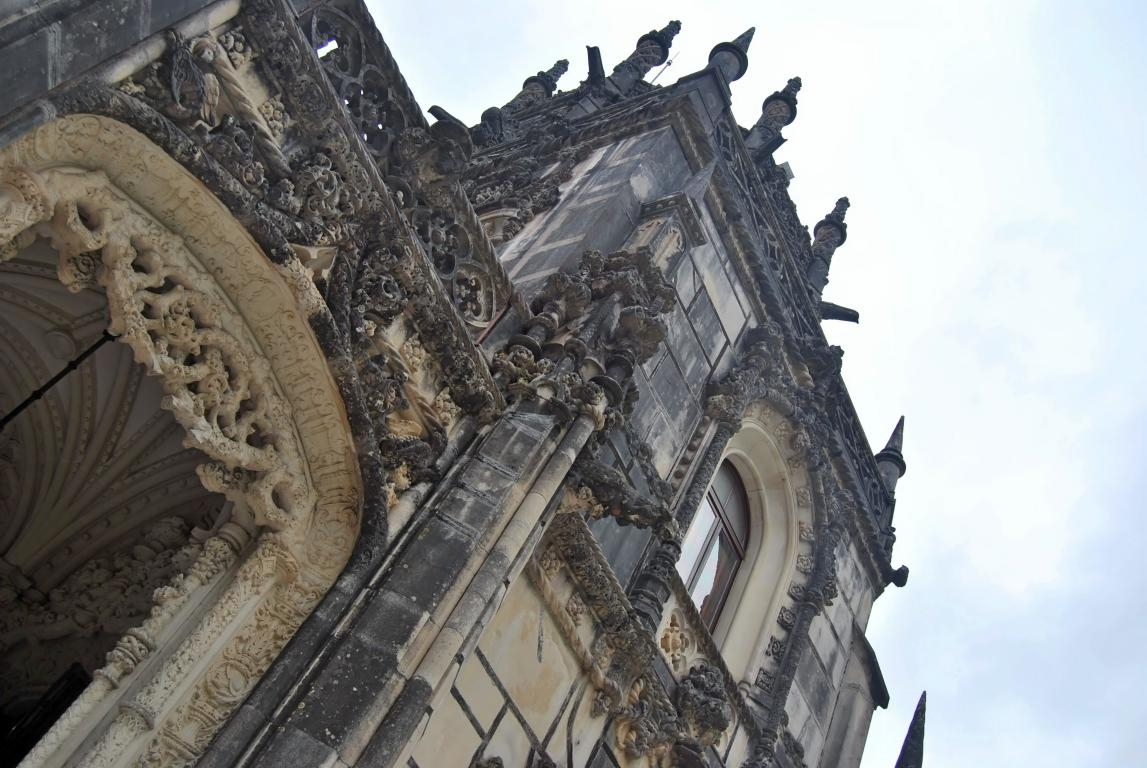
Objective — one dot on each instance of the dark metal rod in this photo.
(71, 366)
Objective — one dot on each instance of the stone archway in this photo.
(100, 503)
(225, 332)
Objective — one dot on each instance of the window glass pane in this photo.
(724, 482)
(702, 592)
(737, 515)
(712, 550)
(720, 568)
(691, 548)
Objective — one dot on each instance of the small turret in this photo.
(912, 751)
(828, 235)
(652, 50)
(538, 87)
(777, 111)
(732, 59)
(890, 461)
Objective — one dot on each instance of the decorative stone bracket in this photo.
(617, 498)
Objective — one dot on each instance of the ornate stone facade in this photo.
(334, 436)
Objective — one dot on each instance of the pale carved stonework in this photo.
(676, 641)
(618, 662)
(225, 332)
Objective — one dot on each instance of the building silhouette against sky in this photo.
(338, 437)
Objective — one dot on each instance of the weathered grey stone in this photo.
(385, 232)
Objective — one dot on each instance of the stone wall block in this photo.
(468, 509)
(26, 66)
(428, 570)
(355, 692)
(817, 690)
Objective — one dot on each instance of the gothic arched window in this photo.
(714, 547)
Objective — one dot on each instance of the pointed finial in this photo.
(662, 37)
(834, 220)
(731, 59)
(669, 31)
(896, 439)
(912, 751)
(773, 108)
(890, 461)
(537, 87)
(777, 111)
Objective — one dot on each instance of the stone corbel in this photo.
(617, 498)
(702, 704)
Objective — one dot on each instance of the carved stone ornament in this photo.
(421, 164)
(617, 498)
(225, 331)
(620, 662)
(676, 641)
(589, 330)
(702, 706)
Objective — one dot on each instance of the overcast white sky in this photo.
(994, 156)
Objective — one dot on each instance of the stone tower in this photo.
(335, 436)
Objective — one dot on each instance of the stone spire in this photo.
(777, 111)
(731, 59)
(652, 51)
(912, 752)
(828, 235)
(538, 87)
(890, 461)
